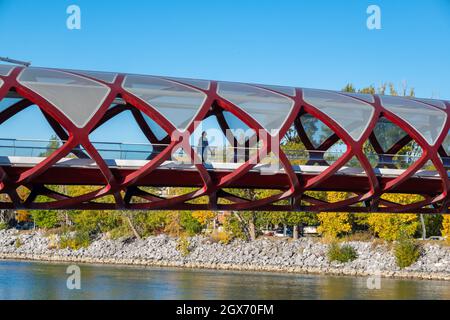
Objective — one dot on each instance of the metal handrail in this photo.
(123, 151)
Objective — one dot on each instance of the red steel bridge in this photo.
(366, 145)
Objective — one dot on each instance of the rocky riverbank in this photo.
(305, 255)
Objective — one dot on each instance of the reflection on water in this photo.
(35, 280)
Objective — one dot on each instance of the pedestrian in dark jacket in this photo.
(203, 147)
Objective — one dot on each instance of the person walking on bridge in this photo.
(203, 147)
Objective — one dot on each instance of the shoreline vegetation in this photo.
(302, 256)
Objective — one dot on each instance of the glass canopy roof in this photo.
(177, 103)
(179, 100)
(201, 84)
(427, 120)
(290, 91)
(269, 109)
(350, 114)
(5, 69)
(76, 97)
(363, 96)
(100, 75)
(436, 103)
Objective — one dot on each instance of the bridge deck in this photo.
(85, 171)
(122, 164)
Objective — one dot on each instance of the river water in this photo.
(36, 280)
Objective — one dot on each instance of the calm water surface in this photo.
(36, 280)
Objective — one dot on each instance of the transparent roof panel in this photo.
(99, 75)
(269, 109)
(177, 103)
(363, 96)
(388, 134)
(5, 69)
(437, 103)
(290, 91)
(316, 130)
(351, 114)
(76, 97)
(428, 121)
(201, 84)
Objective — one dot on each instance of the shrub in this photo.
(65, 241)
(75, 241)
(92, 221)
(183, 245)
(342, 254)
(53, 241)
(3, 225)
(221, 237)
(82, 239)
(406, 251)
(18, 243)
(120, 232)
(152, 222)
(173, 226)
(233, 227)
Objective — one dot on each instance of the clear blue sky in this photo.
(320, 44)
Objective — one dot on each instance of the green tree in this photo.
(296, 219)
(45, 219)
(189, 223)
(406, 250)
(433, 224)
(151, 222)
(53, 144)
(349, 88)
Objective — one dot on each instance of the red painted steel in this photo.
(293, 195)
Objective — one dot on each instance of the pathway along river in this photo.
(37, 280)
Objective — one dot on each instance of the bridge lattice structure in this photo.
(168, 110)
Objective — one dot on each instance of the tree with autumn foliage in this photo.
(204, 217)
(445, 231)
(334, 224)
(390, 226)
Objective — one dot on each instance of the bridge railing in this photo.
(213, 154)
